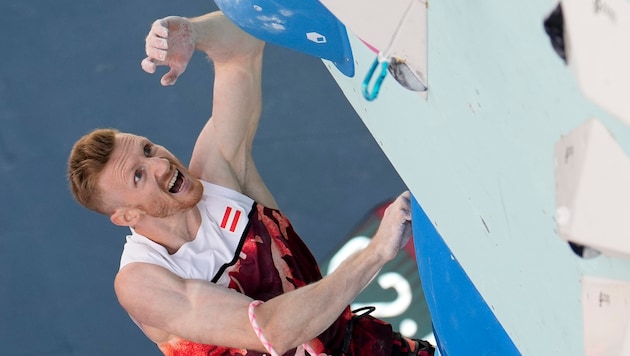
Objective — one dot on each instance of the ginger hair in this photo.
(87, 160)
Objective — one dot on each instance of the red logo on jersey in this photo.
(226, 218)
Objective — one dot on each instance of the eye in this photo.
(137, 176)
(147, 150)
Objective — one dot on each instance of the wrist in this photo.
(381, 249)
(222, 40)
(197, 32)
(376, 255)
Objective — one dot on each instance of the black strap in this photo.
(347, 337)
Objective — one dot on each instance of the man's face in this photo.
(148, 177)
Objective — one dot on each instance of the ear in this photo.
(125, 216)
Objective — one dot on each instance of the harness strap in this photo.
(347, 337)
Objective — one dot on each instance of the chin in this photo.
(196, 190)
(193, 196)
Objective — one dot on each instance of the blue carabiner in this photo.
(377, 84)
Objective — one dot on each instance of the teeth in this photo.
(172, 182)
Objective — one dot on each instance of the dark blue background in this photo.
(70, 66)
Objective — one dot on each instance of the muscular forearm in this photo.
(299, 316)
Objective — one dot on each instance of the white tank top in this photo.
(224, 220)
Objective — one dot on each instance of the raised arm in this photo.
(222, 153)
(205, 313)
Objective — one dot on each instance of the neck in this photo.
(173, 231)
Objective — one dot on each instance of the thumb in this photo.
(170, 78)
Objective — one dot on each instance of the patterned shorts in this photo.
(403, 346)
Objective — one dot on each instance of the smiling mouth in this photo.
(175, 185)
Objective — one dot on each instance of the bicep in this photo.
(236, 171)
(194, 310)
(210, 162)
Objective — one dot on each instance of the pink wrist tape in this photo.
(263, 339)
(258, 330)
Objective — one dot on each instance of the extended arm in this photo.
(222, 153)
(205, 313)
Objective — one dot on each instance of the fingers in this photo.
(398, 215)
(148, 65)
(395, 229)
(169, 43)
(406, 197)
(156, 46)
(156, 54)
(404, 204)
(156, 43)
(157, 36)
(160, 28)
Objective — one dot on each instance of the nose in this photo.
(159, 167)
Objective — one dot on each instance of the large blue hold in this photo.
(462, 321)
(305, 26)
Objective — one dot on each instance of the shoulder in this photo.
(140, 275)
(139, 286)
(139, 248)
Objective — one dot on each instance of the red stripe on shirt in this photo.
(226, 216)
(237, 215)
